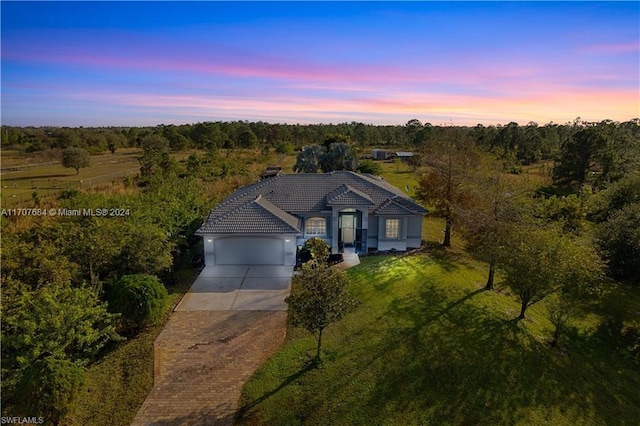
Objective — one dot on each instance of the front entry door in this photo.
(348, 228)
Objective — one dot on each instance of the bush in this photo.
(68, 194)
(48, 388)
(318, 248)
(141, 299)
(370, 166)
(284, 148)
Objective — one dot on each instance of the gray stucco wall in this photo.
(414, 231)
(410, 233)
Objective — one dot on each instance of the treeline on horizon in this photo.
(524, 144)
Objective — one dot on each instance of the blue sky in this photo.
(146, 63)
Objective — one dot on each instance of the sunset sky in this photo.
(146, 63)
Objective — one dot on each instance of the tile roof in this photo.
(254, 217)
(268, 206)
(345, 195)
(393, 208)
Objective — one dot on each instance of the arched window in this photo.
(315, 226)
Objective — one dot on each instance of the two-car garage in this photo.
(250, 250)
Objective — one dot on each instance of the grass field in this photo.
(50, 180)
(427, 345)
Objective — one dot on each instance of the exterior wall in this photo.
(392, 245)
(410, 234)
(379, 154)
(372, 233)
(414, 231)
(289, 250)
(208, 250)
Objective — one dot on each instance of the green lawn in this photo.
(428, 346)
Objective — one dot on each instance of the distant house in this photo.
(264, 223)
(404, 155)
(380, 154)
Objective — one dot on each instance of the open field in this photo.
(18, 187)
(428, 346)
(49, 180)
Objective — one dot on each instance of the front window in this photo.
(392, 229)
(316, 226)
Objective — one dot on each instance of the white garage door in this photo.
(249, 251)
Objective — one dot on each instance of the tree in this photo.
(57, 320)
(445, 184)
(284, 148)
(619, 240)
(335, 138)
(540, 262)
(560, 311)
(48, 388)
(488, 221)
(155, 157)
(247, 139)
(339, 156)
(75, 158)
(578, 156)
(310, 159)
(618, 195)
(320, 298)
(141, 299)
(616, 210)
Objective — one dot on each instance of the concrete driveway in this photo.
(239, 288)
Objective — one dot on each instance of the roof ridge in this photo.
(257, 202)
(261, 201)
(257, 185)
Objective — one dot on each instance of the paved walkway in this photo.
(202, 360)
(229, 323)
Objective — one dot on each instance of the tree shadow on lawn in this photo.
(448, 259)
(244, 412)
(456, 363)
(444, 361)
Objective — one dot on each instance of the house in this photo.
(266, 222)
(380, 154)
(404, 155)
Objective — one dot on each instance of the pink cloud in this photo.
(393, 108)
